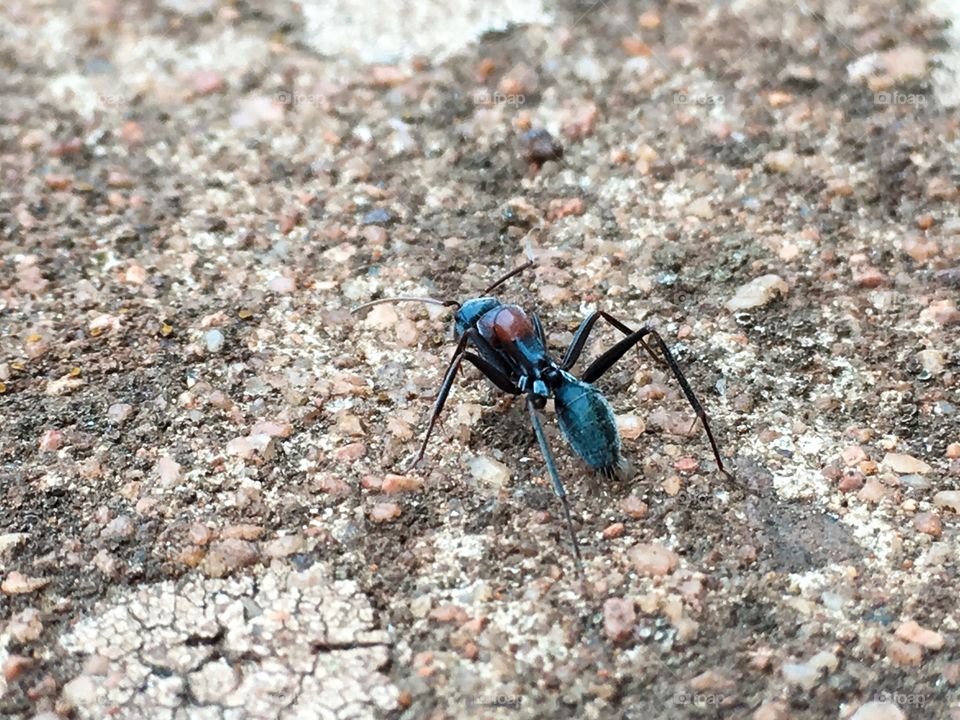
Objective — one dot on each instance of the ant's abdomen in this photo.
(587, 422)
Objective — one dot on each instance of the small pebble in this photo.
(120, 528)
(407, 333)
(393, 484)
(50, 441)
(780, 161)
(949, 499)
(351, 451)
(119, 412)
(16, 583)
(108, 564)
(653, 559)
(199, 534)
(757, 292)
(686, 465)
(282, 284)
(25, 626)
(214, 340)
(227, 556)
(449, 613)
(619, 619)
(379, 216)
(81, 691)
(207, 82)
(911, 631)
(905, 654)
(489, 471)
(168, 471)
(905, 464)
(928, 523)
(851, 481)
(272, 428)
(384, 512)
(876, 710)
(14, 666)
(8, 541)
(521, 79)
(613, 531)
(853, 455)
(942, 312)
(539, 147)
(634, 507)
(56, 181)
(375, 235)
(710, 680)
(382, 317)
(701, 208)
(284, 546)
(242, 531)
(630, 426)
(873, 491)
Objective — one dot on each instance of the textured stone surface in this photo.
(278, 644)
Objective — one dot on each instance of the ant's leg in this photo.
(583, 332)
(555, 479)
(497, 375)
(538, 328)
(442, 396)
(606, 361)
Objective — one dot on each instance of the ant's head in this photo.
(471, 311)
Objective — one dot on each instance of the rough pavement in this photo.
(203, 514)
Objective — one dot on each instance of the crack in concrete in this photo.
(169, 656)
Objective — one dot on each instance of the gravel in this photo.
(203, 453)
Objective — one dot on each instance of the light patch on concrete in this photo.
(284, 644)
(393, 31)
(946, 77)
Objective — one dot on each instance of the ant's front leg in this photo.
(438, 404)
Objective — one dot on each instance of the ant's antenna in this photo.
(429, 301)
(531, 260)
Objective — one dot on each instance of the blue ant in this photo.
(511, 351)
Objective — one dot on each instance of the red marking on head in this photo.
(511, 323)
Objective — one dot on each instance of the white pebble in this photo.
(214, 340)
(757, 292)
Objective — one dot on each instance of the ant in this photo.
(511, 351)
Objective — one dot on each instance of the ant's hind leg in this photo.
(583, 332)
(611, 356)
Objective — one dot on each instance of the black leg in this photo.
(497, 375)
(555, 479)
(538, 327)
(442, 396)
(583, 332)
(606, 361)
